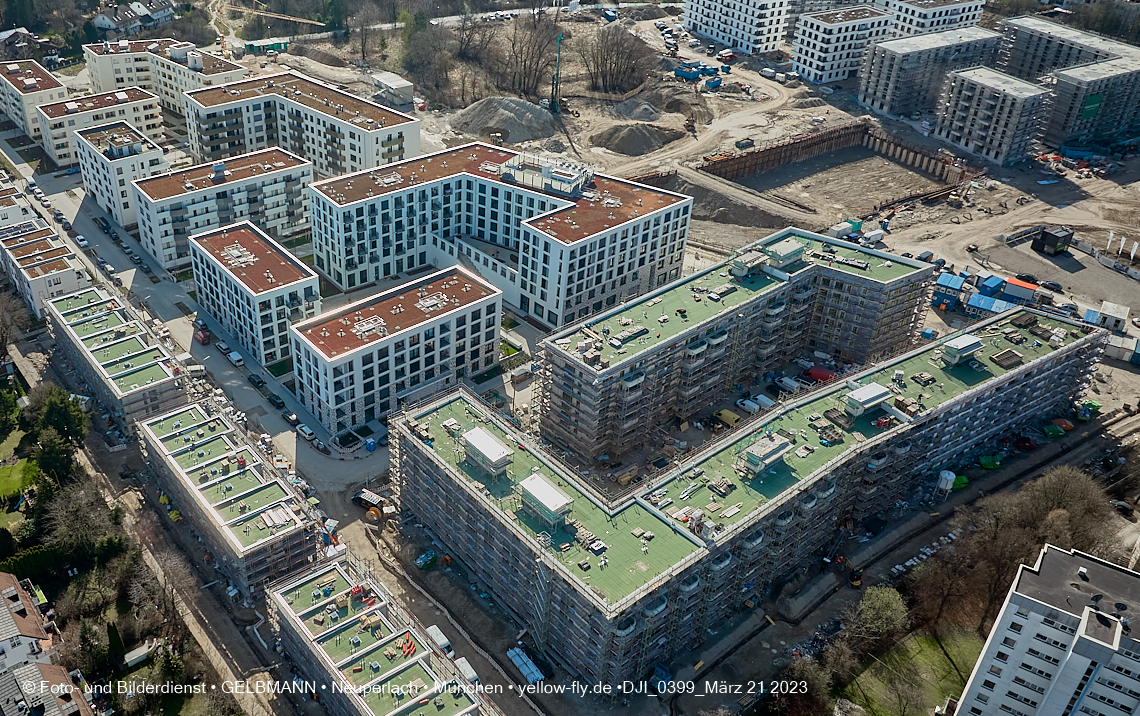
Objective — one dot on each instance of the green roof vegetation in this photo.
(203, 452)
(190, 434)
(106, 350)
(242, 480)
(98, 324)
(263, 496)
(629, 566)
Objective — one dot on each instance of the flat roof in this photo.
(252, 257)
(608, 203)
(96, 102)
(156, 46)
(117, 134)
(202, 176)
(629, 567)
(344, 330)
(244, 497)
(29, 76)
(315, 95)
(1121, 58)
(1113, 309)
(542, 489)
(1056, 581)
(938, 3)
(935, 40)
(48, 268)
(44, 246)
(491, 448)
(839, 17)
(1001, 82)
(647, 309)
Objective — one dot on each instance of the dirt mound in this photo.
(711, 205)
(802, 94)
(554, 146)
(808, 103)
(635, 140)
(671, 98)
(636, 109)
(517, 119)
(649, 12)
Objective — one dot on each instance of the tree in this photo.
(90, 32)
(811, 703)
(116, 649)
(65, 415)
(905, 694)
(334, 14)
(840, 661)
(880, 613)
(7, 407)
(530, 54)
(55, 456)
(429, 58)
(366, 15)
(615, 59)
(77, 519)
(943, 583)
(14, 317)
(158, 589)
(473, 37)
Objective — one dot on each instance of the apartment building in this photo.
(355, 362)
(30, 638)
(112, 157)
(25, 86)
(39, 264)
(607, 384)
(829, 45)
(335, 130)
(43, 689)
(991, 114)
(749, 26)
(257, 527)
(253, 287)
(125, 367)
(905, 76)
(919, 17)
(558, 239)
(1062, 642)
(265, 187)
(1094, 81)
(341, 627)
(131, 18)
(606, 589)
(165, 67)
(61, 120)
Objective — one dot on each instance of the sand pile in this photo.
(635, 140)
(808, 103)
(635, 109)
(671, 98)
(516, 119)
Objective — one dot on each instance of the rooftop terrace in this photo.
(203, 176)
(252, 257)
(840, 17)
(315, 95)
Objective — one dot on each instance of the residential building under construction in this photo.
(992, 114)
(605, 385)
(608, 589)
(1094, 81)
(256, 527)
(905, 76)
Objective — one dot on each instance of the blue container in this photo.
(370, 444)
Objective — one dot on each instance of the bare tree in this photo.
(905, 694)
(158, 589)
(14, 319)
(615, 59)
(473, 37)
(530, 54)
(944, 583)
(366, 15)
(430, 57)
(78, 519)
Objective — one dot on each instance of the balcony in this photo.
(784, 519)
(691, 584)
(696, 349)
(632, 380)
(776, 309)
(721, 562)
(717, 338)
(808, 502)
(826, 489)
(657, 607)
(626, 627)
(754, 540)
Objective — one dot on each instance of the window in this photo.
(995, 670)
(1002, 657)
(1015, 627)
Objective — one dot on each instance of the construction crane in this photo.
(274, 15)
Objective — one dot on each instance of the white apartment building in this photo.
(131, 17)
(253, 287)
(749, 26)
(39, 264)
(59, 121)
(354, 363)
(1062, 644)
(165, 67)
(559, 240)
(991, 114)
(112, 157)
(918, 17)
(335, 130)
(829, 45)
(26, 85)
(263, 186)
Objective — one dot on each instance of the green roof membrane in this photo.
(300, 597)
(201, 453)
(369, 663)
(455, 701)
(947, 383)
(338, 643)
(106, 350)
(236, 483)
(92, 325)
(382, 699)
(137, 379)
(130, 362)
(76, 300)
(267, 494)
(629, 566)
(190, 434)
(252, 529)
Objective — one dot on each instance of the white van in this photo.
(464, 667)
(694, 42)
(306, 432)
(235, 358)
(440, 640)
(748, 406)
(763, 401)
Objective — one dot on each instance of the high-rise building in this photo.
(991, 114)
(606, 385)
(1062, 643)
(265, 187)
(558, 239)
(607, 587)
(257, 527)
(829, 44)
(749, 27)
(918, 17)
(336, 130)
(111, 158)
(905, 76)
(254, 287)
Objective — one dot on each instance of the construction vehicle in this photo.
(856, 578)
(691, 124)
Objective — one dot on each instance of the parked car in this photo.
(65, 225)
(291, 418)
(73, 170)
(908, 256)
(45, 203)
(113, 234)
(58, 215)
(1069, 307)
(136, 259)
(319, 444)
(305, 432)
(275, 400)
(256, 380)
(146, 268)
(1051, 286)
(748, 406)
(108, 268)
(1027, 277)
(127, 250)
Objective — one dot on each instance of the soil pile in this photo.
(808, 103)
(671, 98)
(516, 119)
(649, 12)
(635, 140)
(637, 110)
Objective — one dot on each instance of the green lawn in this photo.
(280, 368)
(30, 159)
(184, 275)
(509, 324)
(507, 349)
(14, 478)
(8, 446)
(940, 664)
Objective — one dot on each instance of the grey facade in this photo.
(991, 114)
